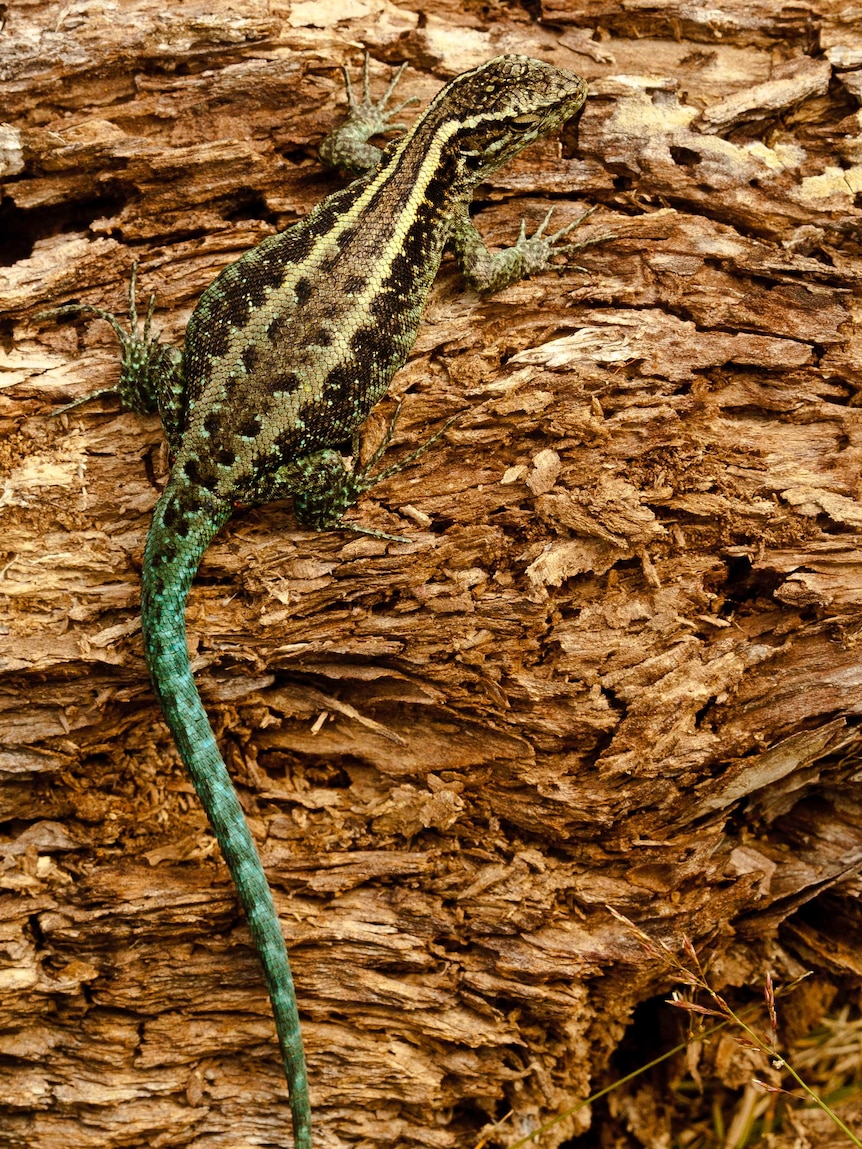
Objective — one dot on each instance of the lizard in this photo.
(284, 356)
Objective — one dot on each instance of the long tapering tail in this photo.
(184, 522)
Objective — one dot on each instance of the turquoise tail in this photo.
(185, 520)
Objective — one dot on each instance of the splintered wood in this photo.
(618, 664)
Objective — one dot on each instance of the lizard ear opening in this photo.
(524, 122)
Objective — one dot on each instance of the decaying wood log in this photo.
(618, 664)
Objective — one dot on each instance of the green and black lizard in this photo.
(284, 356)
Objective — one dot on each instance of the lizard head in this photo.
(487, 115)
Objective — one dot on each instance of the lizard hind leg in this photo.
(324, 486)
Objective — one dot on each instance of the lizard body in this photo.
(284, 356)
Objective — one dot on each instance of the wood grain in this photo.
(618, 663)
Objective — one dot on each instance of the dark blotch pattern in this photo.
(400, 272)
(171, 516)
(365, 345)
(349, 394)
(284, 446)
(249, 427)
(216, 346)
(278, 328)
(201, 474)
(288, 383)
(250, 357)
(256, 289)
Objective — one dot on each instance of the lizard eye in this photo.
(524, 122)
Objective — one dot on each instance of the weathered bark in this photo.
(618, 663)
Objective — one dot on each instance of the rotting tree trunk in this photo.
(617, 664)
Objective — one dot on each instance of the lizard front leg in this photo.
(488, 271)
(347, 146)
(151, 372)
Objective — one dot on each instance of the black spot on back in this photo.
(364, 343)
(168, 550)
(192, 468)
(354, 284)
(250, 357)
(255, 286)
(217, 340)
(417, 242)
(341, 381)
(401, 273)
(325, 218)
(277, 327)
(303, 291)
(288, 383)
(200, 474)
(386, 307)
(291, 247)
(249, 428)
(436, 188)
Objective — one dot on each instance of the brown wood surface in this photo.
(617, 664)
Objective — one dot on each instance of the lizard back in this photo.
(293, 344)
